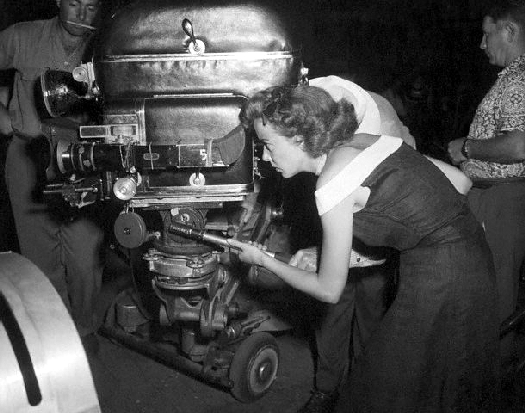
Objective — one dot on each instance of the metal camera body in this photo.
(171, 81)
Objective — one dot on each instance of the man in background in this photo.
(66, 250)
(493, 153)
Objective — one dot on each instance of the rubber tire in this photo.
(255, 350)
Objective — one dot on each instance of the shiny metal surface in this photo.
(54, 375)
(247, 47)
(61, 92)
(182, 272)
(239, 73)
(223, 26)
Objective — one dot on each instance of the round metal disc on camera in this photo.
(130, 230)
(62, 153)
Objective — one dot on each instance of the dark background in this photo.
(423, 55)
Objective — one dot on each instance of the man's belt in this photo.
(486, 183)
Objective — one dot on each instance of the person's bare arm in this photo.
(328, 283)
(508, 147)
(6, 129)
(461, 182)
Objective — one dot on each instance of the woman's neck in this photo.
(363, 140)
(319, 164)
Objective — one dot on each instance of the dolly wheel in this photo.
(254, 367)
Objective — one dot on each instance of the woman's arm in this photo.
(328, 283)
(461, 182)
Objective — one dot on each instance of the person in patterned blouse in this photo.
(493, 153)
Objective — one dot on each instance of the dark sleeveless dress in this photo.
(436, 349)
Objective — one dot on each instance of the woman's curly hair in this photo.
(307, 111)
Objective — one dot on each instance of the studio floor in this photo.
(129, 382)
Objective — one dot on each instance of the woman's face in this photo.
(286, 154)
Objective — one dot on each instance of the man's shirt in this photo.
(31, 48)
(501, 110)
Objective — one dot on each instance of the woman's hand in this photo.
(250, 252)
